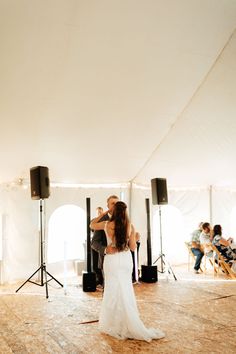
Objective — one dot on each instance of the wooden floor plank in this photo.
(195, 313)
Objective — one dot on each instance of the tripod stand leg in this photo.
(28, 279)
(46, 282)
(54, 278)
(173, 273)
(170, 270)
(164, 262)
(157, 259)
(161, 256)
(42, 267)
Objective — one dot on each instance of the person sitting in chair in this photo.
(223, 245)
(206, 235)
(206, 238)
(196, 248)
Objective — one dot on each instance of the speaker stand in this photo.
(161, 255)
(42, 268)
(163, 265)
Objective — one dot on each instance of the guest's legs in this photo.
(199, 254)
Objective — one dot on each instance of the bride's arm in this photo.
(132, 239)
(96, 224)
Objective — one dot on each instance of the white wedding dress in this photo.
(119, 316)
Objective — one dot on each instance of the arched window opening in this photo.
(66, 234)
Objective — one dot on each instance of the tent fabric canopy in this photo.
(107, 92)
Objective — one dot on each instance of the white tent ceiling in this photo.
(114, 91)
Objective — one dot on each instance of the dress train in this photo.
(119, 315)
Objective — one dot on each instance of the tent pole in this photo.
(130, 198)
(210, 205)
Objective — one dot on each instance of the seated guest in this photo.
(195, 247)
(223, 245)
(206, 234)
(206, 238)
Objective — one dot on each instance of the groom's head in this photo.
(111, 201)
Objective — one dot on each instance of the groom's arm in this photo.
(98, 242)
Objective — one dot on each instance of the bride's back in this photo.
(111, 227)
(119, 228)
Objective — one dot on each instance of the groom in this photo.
(99, 240)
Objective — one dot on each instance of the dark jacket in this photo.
(99, 242)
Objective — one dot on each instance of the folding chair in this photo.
(208, 256)
(222, 264)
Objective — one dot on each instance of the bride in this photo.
(119, 316)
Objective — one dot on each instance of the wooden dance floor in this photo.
(197, 313)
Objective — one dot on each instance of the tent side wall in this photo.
(20, 223)
(186, 208)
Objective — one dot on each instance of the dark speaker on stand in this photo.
(89, 277)
(40, 190)
(159, 191)
(160, 197)
(39, 182)
(149, 271)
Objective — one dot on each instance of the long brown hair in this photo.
(121, 221)
(217, 230)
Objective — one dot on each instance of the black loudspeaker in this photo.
(89, 281)
(159, 191)
(39, 181)
(149, 274)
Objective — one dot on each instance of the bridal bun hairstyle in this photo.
(121, 220)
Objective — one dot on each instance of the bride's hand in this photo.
(105, 213)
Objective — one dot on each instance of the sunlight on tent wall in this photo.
(66, 234)
(1, 240)
(232, 224)
(173, 235)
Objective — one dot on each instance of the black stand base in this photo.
(89, 281)
(149, 274)
(43, 271)
(163, 265)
